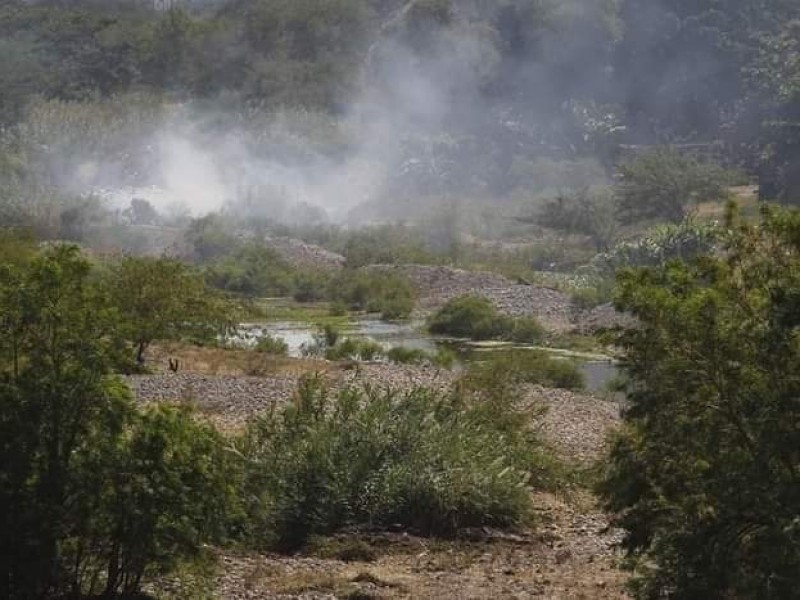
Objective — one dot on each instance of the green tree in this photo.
(705, 474)
(588, 212)
(163, 299)
(94, 496)
(169, 487)
(664, 183)
(56, 404)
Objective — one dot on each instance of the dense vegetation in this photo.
(431, 461)
(95, 494)
(100, 496)
(705, 472)
(555, 141)
(476, 318)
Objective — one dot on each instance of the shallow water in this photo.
(598, 372)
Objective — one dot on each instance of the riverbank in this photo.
(571, 551)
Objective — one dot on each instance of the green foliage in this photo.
(390, 295)
(272, 345)
(704, 474)
(162, 299)
(589, 212)
(476, 318)
(664, 183)
(252, 270)
(467, 317)
(429, 461)
(211, 238)
(355, 349)
(170, 488)
(17, 247)
(313, 286)
(388, 245)
(407, 356)
(528, 366)
(95, 497)
(658, 246)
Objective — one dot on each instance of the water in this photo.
(597, 371)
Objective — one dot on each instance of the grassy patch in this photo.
(432, 462)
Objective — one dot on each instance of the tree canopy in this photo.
(705, 472)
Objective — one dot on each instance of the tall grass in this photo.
(431, 461)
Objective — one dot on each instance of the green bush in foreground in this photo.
(476, 318)
(434, 462)
(705, 474)
(95, 496)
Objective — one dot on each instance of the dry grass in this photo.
(229, 361)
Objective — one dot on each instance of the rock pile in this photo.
(576, 425)
(300, 254)
(233, 400)
(229, 399)
(436, 285)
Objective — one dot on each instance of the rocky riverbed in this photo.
(571, 553)
(435, 285)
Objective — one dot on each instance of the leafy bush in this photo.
(355, 349)
(389, 295)
(476, 318)
(272, 345)
(530, 366)
(407, 356)
(589, 212)
(163, 299)
(659, 245)
(664, 182)
(96, 496)
(169, 490)
(252, 270)
(311, 286)
(467, 317)
(430, 461)
(704, 474)
(525, 330)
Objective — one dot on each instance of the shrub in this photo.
(704, 473)
(476, 318)
(389, 295)
(444, 358)
(658, 246)
(355, 349)
(529, 366)
(272, 345)
(252, 270)
(311, 286)
(663, 184)
(169, 490)
(526, 330)
(406, 356)
(467, 317)
(431, 461)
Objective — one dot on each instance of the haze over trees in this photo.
(586, 145)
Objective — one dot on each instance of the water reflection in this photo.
(598, 372)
